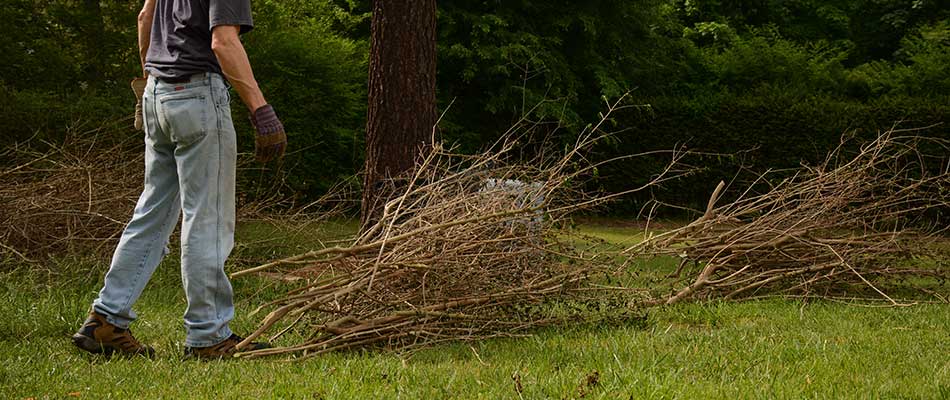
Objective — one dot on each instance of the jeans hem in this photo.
(122, 324)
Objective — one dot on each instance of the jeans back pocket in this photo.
(185, 117)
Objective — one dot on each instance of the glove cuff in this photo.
(264, 116)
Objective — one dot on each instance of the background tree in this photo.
(402, 104)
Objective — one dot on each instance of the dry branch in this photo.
(829, 227)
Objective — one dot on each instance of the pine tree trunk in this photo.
(402, 106)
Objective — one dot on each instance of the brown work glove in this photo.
(138, 87)
(271, 142)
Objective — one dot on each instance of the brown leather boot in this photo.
(222, 350)
(98, 336)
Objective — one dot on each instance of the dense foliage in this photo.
(773, 82)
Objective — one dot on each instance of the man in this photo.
(190, 152)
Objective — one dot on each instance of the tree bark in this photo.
(402, 105)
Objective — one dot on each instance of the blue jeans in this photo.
(190, 162)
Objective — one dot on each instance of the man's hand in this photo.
(271, 142)
(138, 87)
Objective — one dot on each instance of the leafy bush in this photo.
(765, 58)
(743, 135)
(921, 69)
(497, 60)
(316, 81)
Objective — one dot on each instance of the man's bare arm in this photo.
(234, 63)
(146, 16)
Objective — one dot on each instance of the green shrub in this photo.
(316, 82)
(48, 115)
(751, 133)
(920, 70)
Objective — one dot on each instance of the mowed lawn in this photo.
(762, 349)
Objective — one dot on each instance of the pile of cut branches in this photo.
(470, 248)
(77, 193)
(849, 221)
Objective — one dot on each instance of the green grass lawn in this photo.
(763, 349)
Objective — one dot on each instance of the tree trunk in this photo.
(402, 107)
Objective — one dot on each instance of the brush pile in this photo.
(824, 231)
(77, 194)
(470, 248)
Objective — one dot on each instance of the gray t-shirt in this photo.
(180, 42)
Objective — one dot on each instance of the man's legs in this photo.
(143, 242)
(191, 153)
(206, 168)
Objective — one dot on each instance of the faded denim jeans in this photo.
(190, 156)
